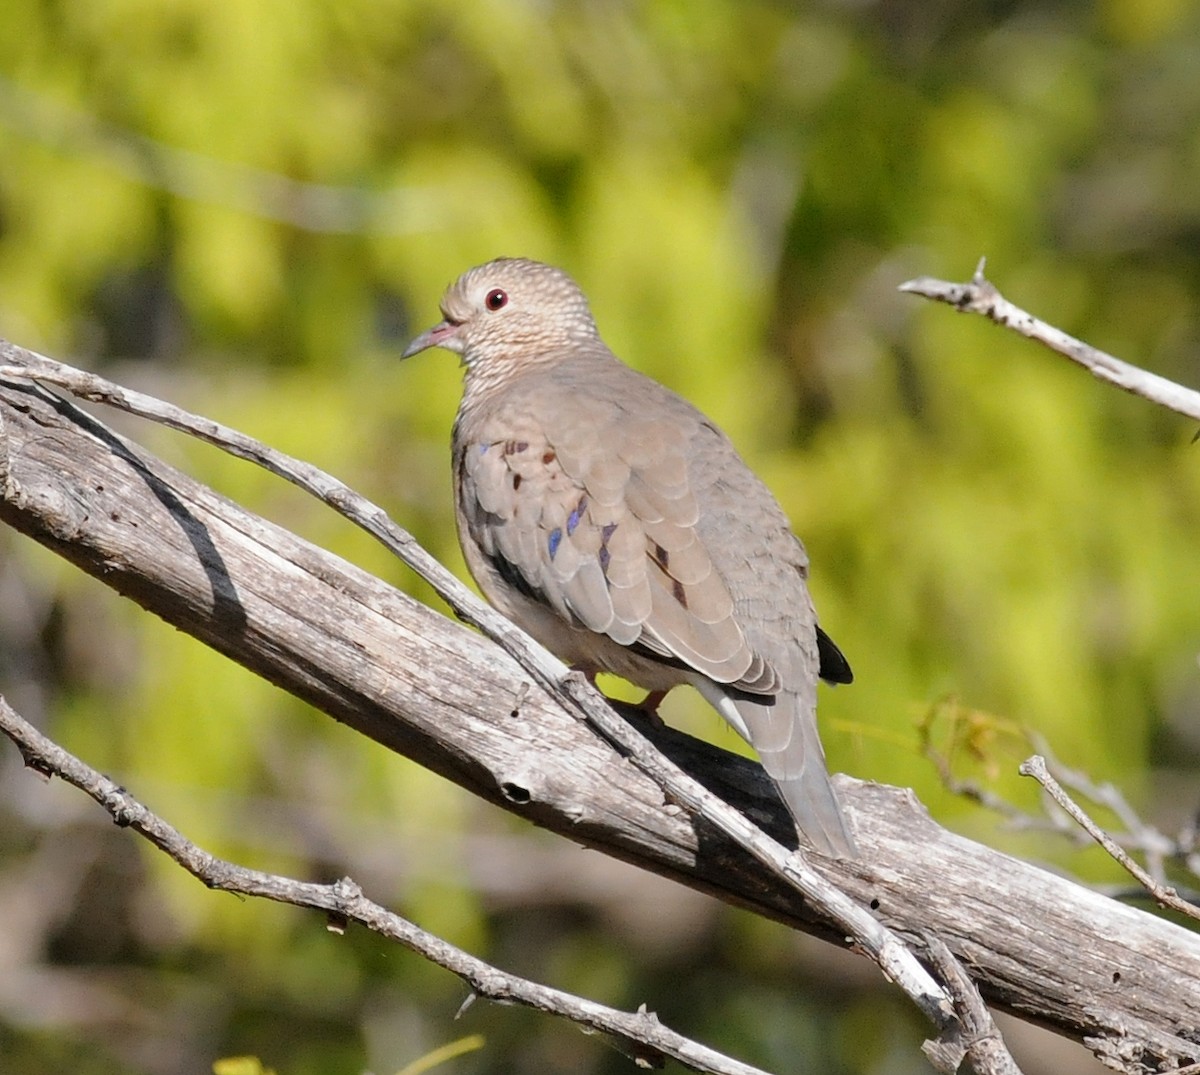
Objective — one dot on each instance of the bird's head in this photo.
(512, 310)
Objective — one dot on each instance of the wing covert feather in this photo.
(598, 516)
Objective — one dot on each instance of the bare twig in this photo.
(896, 961)
(1164, 894)
(639, 1033)
(976, 1035)
(979, 296)
(1137, 836)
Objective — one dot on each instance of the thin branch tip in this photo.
(980, 296)
(916, 286)
(1164, 894)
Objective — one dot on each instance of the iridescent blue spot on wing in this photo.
(576, 515)
(555, 541)
(483, 449)
(605, 557)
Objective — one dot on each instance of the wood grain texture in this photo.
(1121, 980)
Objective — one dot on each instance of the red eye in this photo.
(496, 299)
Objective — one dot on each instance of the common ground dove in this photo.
(618, 525)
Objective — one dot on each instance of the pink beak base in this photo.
(435, 337)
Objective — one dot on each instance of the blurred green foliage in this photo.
(249, 206)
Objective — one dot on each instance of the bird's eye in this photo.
(496, 299)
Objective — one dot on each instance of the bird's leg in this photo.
(650, 706)
(651, 702)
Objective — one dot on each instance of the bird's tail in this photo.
(783, 730)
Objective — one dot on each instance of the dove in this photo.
(617, 525)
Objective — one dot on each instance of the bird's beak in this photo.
(443, 334)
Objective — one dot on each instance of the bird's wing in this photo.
(588, 505)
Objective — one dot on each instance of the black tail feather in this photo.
(834, 666)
